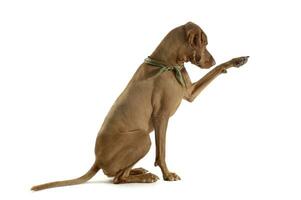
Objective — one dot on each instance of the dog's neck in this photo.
(166, 58)
(167, 53)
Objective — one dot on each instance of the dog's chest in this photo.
(172, 93)
(175, 100)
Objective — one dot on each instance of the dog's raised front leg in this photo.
(193, 90)
(160, 125)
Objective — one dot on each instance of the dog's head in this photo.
(195, 46)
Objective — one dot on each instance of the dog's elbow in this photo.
(189, 99)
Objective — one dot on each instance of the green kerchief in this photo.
(164, 68)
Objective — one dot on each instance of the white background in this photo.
(63, 63)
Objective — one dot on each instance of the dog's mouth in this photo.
(204, 66)
(202, 63)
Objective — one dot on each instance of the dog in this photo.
(151, 97)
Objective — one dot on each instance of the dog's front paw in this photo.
(171, 177)
(237, 62)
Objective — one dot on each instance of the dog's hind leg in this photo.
(137, 171)
(124, 176)
(129, 148)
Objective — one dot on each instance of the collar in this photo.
(164, 68)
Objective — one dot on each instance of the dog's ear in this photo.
(193, 34)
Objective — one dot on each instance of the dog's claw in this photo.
(237, 62)
(244, 60)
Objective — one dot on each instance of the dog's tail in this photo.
(94, 169)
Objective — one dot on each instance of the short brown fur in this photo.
(146, 104)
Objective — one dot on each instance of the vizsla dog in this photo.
(151, 97)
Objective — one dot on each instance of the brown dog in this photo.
(151, 97)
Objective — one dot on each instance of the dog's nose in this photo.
(213, 62)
